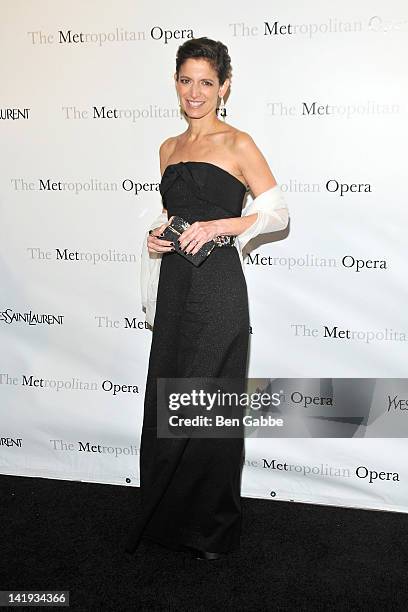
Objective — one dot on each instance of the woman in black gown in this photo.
(190, 487)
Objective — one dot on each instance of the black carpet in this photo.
(71, 536)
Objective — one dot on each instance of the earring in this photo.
(222, 110)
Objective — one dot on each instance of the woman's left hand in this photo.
(199, 232)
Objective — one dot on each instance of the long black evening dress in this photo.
(190, 487)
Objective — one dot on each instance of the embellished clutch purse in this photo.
(173, 232)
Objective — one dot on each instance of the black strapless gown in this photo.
(190, 488)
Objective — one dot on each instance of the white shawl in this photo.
(272, 216)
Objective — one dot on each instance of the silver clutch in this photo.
(173, 233)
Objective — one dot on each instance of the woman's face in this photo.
(198, 87)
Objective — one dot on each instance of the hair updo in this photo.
(212, 50)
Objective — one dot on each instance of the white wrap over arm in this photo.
(149, 272)
(272, 215)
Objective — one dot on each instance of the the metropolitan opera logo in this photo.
(268, 28)
(85, 186)
(68, 384)
(325, 470)
(348, 262)
(115, 35)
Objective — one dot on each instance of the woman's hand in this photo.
(199, 232)
(158, 245)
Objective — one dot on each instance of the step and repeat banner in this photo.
(87, 98)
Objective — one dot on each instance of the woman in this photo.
(190, 488)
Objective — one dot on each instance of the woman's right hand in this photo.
(158, 245)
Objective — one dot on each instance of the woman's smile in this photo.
(195, 103)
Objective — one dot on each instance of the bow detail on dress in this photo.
(182, 171)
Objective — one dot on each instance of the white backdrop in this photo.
(87, 98)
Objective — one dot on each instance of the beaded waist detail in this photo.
(224, 240)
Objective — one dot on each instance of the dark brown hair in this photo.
(212, 50)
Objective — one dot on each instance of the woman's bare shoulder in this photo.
(171, 141)
(167, 148)
(252, 163)
(165, 151)
(241, 146)
(167, 144)
(242, 139)
(239, 142)
(245, 148)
